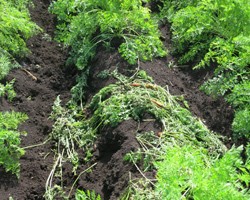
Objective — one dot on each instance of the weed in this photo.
(140, 190)
(71, 131)
(104, 74)
(55, 192)
(47, 37)
(78, 91)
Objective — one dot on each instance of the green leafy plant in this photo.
(8, 90)
(10, 149)
(241, 123)
(187, 172)
(244, 177)
(197, 24)
(78, 91)
(5, 64)
(239, 98)
(216, 33)
(126, 24)
(15, 28)
(232, 59)
(88, 195)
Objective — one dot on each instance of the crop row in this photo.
(15, 28)
(216, 34)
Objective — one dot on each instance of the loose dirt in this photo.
(110, 174)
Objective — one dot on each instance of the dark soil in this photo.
(110, 174)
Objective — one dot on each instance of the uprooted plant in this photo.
(127, 98)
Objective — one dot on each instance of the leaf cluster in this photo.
(88, 195)
(188, 173)
(10, 149)
(83, 25)
(240, 99)
(216, 32)
(15, 28)
(8, 90)
(197, 25)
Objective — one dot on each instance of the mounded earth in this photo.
(110, 174)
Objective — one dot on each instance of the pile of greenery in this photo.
(15, 28)
(132, 98)
(216, 32)
(190, 160)
(123, 24)
(128, 98)
(10, 141)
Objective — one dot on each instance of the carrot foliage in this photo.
(125, 25)
(15, 28)
(215, 33)
(10, 141)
